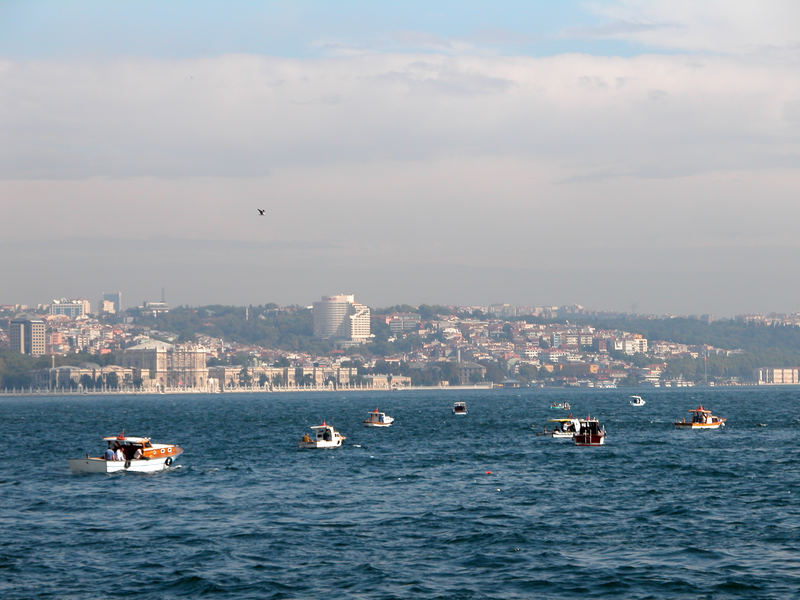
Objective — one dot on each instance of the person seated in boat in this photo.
(306, 438)
(327, 435)
(119, 453)
(138, 454)
(109, 454)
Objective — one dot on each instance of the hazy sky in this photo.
(624, 155)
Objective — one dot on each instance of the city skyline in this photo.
(628, 156)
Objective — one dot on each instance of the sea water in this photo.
(436, 506)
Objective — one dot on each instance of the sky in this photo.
(628, 155)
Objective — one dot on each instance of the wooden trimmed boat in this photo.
(141, 455)
(701, 419)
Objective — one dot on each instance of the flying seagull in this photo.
(261, 211)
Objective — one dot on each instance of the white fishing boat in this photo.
(459, 408)
(325, 436)
(561, 405)
(566, 428)
(378, 419)
(128, 453)
(637, 401)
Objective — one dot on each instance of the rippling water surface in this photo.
(405, 512)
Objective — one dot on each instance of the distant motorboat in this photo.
(566, 428)
(590, 433)
(377, 419)
(637, 401)
(325, 436)
(561, 405)
(459, 408)
(701, 419)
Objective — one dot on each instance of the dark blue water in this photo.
(409, 511)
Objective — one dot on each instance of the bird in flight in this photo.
(261, 211)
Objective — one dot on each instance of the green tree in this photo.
(112, 380)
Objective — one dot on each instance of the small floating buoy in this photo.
(488, 472)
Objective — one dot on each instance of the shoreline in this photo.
(168, 392)
(454, 388)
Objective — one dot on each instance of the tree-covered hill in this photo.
(267, 325)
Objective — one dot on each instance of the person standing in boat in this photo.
(119, 454)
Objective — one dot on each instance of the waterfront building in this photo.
(340, 317)
(161, 365)
(86, 375)
(71, 308)
(27, 336)
(774, 376)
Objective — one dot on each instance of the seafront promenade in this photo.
(237, 390)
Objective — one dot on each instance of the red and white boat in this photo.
(139, 455)
(701, 419)
(590, 433)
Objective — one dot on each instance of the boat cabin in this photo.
(460, 408)
(322, 433)
(376, 417)
(701, 416)
(131, 445)
(590, 426)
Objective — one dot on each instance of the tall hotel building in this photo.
(71, 308)
(340, 317)
(27, 336)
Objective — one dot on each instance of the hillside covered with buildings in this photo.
(338, 343)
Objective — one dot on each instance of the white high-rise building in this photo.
(341, 317)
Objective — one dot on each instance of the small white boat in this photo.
(378, 419)
(566, 428)
(561, 405)
(325, 436)
(139, 455)
(459, 408)
(637, 401)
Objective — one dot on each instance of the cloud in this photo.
(246, 116)
(766, 28)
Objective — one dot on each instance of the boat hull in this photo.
(370, 424)
(698, 425)
(99, 465)
(589, 440)
(323, 445)
(566, 435)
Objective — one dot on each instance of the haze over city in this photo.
(624, 155)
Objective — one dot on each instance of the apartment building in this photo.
(27, 336)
